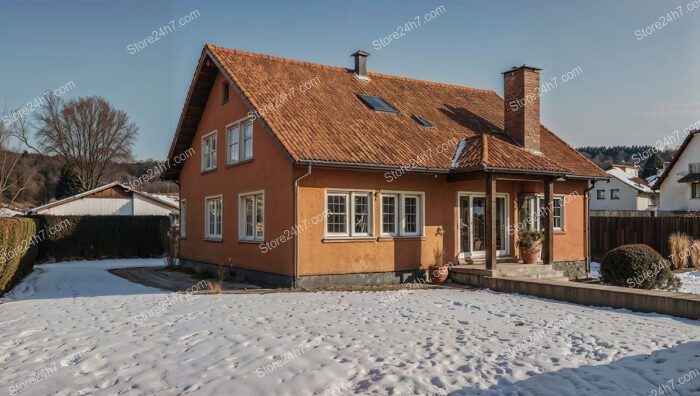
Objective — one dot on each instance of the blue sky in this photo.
(629, 91)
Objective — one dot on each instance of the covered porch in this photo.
(489, 223)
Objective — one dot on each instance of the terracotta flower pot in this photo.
(531, 255)
(438, 275)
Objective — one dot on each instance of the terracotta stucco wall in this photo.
(319, 255)
(269, 171)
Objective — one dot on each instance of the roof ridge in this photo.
(341, 68)
(212, 47)
(484, 148)
(439, 84)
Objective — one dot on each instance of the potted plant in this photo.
(439, 271)
(530, 245)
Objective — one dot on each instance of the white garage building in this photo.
(110, 200)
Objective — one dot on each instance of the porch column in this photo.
(548, 248)
(490, 236)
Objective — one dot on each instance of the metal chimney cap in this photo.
(360, 53)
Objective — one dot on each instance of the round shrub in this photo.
(638, 266)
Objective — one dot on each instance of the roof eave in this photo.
(365, 166)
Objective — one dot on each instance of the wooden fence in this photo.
(610, 232)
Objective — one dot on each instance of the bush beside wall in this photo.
(99, 237)
(18, 250)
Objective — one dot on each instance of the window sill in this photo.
(213, 239)
(205, 171)
(388, 238)
(239, 163)
(348, 239)
(251, 241)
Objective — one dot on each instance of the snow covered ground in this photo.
(691, 282)
(75, 329)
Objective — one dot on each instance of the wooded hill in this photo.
(48, 180)
(604, 156)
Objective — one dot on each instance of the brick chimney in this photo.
(521, 91)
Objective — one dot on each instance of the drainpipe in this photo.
(587, 224)
(296, 222)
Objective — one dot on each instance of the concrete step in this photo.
(533, 272)
(521, 269)
(558, 279)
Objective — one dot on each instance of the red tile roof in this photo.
(328, 122)
(490, 152)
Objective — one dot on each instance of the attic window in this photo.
(377, 104)
(422, 121)
(224, 92)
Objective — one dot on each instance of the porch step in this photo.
(532, 271)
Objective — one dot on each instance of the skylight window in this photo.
(422, 121)
(377, 104)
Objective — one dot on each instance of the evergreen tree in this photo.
(68, 184)
(654, 163)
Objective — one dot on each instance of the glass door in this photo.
(472, 225)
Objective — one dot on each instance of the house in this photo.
(625, 191)
(306, 174)
(110, 200)
(679, 185)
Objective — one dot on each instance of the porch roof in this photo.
(489, 153)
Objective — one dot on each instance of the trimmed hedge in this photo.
(18, 250)
(99, 237)
(638, 266)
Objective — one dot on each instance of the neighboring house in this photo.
(306, 174)
(651, 180)
(111, 199)
(679, 185)
(624, 191)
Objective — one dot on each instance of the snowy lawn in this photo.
(76, 329)
(691, 282)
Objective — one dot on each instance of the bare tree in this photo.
(7, 166)
(87, 133)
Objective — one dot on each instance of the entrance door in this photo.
(472, 225)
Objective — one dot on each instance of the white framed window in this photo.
(411, 214)
(239, 136)
(209, 151)
(695, 190)
(247, 129)
(600, 194)
(183, 219)
(533, 209)
(337, 214)
(212, 218)
(653, 200)
(402, 213)
(252, 216)
(390, 214)
(615, 193)
(694, 168)
(558, 213)
(233, 134)
(349, 214)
